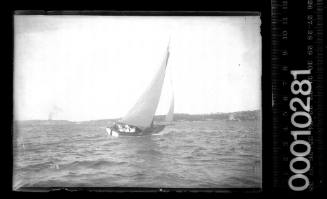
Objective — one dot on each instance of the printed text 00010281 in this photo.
(300, 89)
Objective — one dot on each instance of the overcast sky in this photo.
(95, 67)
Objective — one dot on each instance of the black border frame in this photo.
(262, 8)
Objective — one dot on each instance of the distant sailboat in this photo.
(170, 115)
(139, 119)
(231, 117)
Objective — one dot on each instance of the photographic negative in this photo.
(137, 101)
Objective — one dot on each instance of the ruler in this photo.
(297, 90)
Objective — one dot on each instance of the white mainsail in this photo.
(141, 114)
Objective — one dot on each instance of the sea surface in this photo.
(198, 154)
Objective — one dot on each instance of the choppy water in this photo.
(202, 154)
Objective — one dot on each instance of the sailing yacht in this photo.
(139, 119)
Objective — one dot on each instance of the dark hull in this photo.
(148, 131)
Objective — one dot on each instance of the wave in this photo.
(130, 175)
(150, 151)
(163, 132)
(36, 167)
(53, 183)
(94, 164)
(242, 182)
(113, 143)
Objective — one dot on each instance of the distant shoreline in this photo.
(237, 116)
